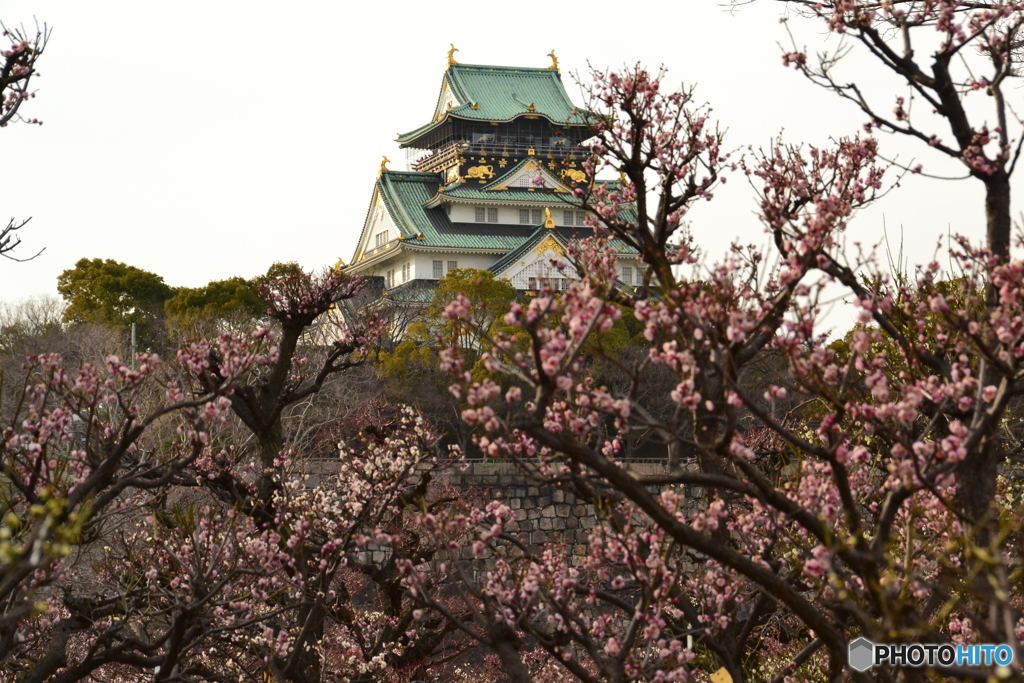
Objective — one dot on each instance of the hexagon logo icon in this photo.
(862, 654)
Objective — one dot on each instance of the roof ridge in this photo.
(421, 174)
(499, 67)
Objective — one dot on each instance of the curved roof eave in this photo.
(406, 139)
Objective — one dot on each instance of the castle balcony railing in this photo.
(499, 147)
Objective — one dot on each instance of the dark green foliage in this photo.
(219, 299)
(106, 291)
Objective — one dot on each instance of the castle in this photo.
(489, 186)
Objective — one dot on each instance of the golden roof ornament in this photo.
(383, 166)
(451, 54)
(554, 61)
(549, 222)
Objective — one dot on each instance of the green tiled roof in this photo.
(552, 199)
(405, 193)
(395, 187)
(564, 236)
(413, 292)
(503, 93)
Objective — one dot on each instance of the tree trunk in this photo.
(977, 473)
(997, 213)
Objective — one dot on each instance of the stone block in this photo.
(544, 501)
(515, 503)
(529, 503)
(538, 538)
(549, 511)
(520, 515)
(546, 523)
(533, 491)
(533, 513)
(572, 523)
(562, 511)
(559, 523)
(558, 496)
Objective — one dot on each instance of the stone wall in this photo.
(543, 514)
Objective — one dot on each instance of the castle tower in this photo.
(489, 186)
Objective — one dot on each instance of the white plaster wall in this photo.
(395, 263)
(424, 265)
(380, 221)
(508, 215)
(462, 213)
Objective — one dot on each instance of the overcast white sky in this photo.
(203, 140)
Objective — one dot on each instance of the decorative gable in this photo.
(530, 174)
(379, 232)
(446, 102)
(535, 266)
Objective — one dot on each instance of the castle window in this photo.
(452, 265)
(391, 279)
(568, 217)
(481, 214)
(524, 216)
(492, 215)
(581, 218)
(382, 238)
(536, 216)
(533, 283)
(438, 270)
(406, 271)
(627, 275)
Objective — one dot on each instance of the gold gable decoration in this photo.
(549, 243)
(549, 222)
(451, 54)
